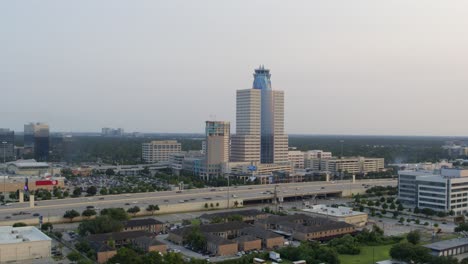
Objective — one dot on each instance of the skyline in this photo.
(360, 68)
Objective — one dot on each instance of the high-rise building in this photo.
(217, 148)
(37, 140)
(41, 142)
(260, 133)
(7, 143)
(159, 151)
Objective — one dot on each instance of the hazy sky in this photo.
(347, 67)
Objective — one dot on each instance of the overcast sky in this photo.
(347, 67)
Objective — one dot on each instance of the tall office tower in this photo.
(260, 123)
(41, 141)
(29, 138)
(7, 144)
(216, 145)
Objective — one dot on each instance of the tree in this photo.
(47, 227)
(217, 204)
(19, 224)
(66, 194)
(400, 207)
(236, 203)
(416, 210)
(103, 191)
(99, 225)
(92, 190)
(115, 213)
(410, 253)
(382, 199)
(402, 220)
(370, 203)
(392, 206)
(110, 172)
(384, 206)
(77, 191)
(152, 207)
(70, 214)
(133, 210)
(206, 205)
(88, 213)
(74, 256)
(414, 237)
(196, 239)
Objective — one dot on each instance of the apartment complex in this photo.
(160, 151)
(441, 192)
(37, 140)
(260, 133)
(7, 143)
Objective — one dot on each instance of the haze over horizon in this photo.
(346, 67)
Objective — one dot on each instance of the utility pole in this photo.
(276, 198)
(5, 169)
(227, 206)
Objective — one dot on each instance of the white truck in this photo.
(275, 256)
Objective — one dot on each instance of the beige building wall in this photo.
(17, 252)
(159, 151)
(296, 158)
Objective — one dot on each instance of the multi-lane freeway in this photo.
(56, 208)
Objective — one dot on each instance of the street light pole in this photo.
(228, 191)
(4, 169)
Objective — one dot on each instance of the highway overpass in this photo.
(187, 200)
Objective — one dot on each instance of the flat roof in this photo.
(448, 244)
(12, 235)
(341, 211)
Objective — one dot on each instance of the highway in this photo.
(56, 208)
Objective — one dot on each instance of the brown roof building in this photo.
(248, 216)
(146, 224)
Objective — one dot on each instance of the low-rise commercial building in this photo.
(450, 247)
(19, 244)
(29, 168)
(340, 213)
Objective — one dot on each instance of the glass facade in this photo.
(262, 82)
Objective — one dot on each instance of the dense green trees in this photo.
(410, 253)
(133, 210)
(413, 237)
(100, 224)
(196, 239)
(116, 213)
(152, 207)
(346, 245)
(311, 252)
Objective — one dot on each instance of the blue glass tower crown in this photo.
(262, 82)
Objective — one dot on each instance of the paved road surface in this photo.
(52, 208)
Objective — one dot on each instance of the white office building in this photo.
(441, 192)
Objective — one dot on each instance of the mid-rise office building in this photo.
(296, 158)
(217, 148)
(159, 151)
(347, 165)
(441, 192)
(111, 132)
(7, 143)
(260, 133)
(317, 154)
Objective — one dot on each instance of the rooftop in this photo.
(11, 235)
(244, 213)
(448, 244)
(118, 236)
(142, 222)
(260, 233)
(218, 240)
(332, 211)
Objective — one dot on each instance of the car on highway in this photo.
(89, 207)
(179, 192)
(127, 204)
(166, 201)
(213, 190)
(181, 201)
(36, 214)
